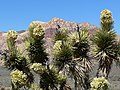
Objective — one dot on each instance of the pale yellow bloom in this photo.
(18, 77)
(99, 83)
(106, 17)
(12, 34)
(37, 67)
(57, 47)
(38, 32)
(34, 24)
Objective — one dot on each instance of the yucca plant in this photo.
(15, 60)
(105, 46)
(35, 42)
(70, 56)
(81, 48)
(49, 77)
(106, 50)
(60, 34)
(62, 54)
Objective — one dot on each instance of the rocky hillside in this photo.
(50, 28)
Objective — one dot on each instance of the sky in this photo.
(18, 14)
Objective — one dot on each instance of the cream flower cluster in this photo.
(18, 78)
(57, 47)
(38, 32)
(37, 67)
(12, 34)
(106, 17)
(99, 84)
(34, 24)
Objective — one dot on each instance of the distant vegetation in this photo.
(72, 57)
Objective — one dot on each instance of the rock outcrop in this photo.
(50, 28)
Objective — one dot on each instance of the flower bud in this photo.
(57, 47)
(99, 84)
(38, 68)
(106, 19)
(12, 34)
(38, 32)
(18, 78)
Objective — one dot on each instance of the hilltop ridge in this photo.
(50, 28)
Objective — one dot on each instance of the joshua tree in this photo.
(105, 46)
(15, 61)
(49, 77)
(81, 48)
(36, 48)
(60, 34)
(70, 55)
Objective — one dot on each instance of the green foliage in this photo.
(105, 43)
(105, 46)
(62, 50)
(51, 79)
(15, 60)
(71, 56)
(104, 38)
(81, 47)
(35, 44)
(61, 34)
(62, 53)
(106, 49)
(37, 52)
(11, 37)
(79, 41)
